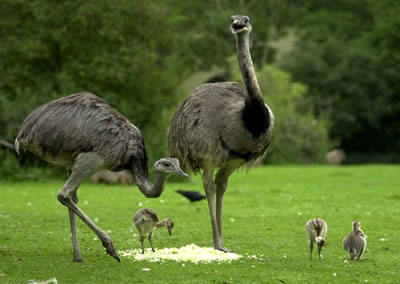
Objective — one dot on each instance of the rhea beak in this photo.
(237, 27)
(182, 173)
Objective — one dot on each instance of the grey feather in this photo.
(222, 126)
(316, 229)
(84, 134)
(81, 123)
(208, 129)
(355, 243)
(146, 222)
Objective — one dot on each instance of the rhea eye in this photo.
(231, 20)
(246, 20)
(166, 165)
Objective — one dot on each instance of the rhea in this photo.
(355, 242)
(221, 127)
(316, 230)
(146, 222)
(84, 134)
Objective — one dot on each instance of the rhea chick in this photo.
(355, 242)
(146, 222)
(316, 229)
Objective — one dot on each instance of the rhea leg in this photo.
(221, 181)
(77, 252)
(360, 254)
(319, 251)
(142, 242)
(210, 189)
(311, 249)
(151, 241)
(85, 165)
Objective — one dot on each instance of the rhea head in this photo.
(320, 241)
(169, 166)
(240, 24)
(356, 225)
(169, 224)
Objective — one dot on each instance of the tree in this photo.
(347, 54)
(123, 51)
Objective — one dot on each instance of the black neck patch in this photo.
(256, 117)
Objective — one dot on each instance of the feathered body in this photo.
(146, 222)
(209, 129)
(222, 126)
(84, 134)
(60, 130)
(316, 229)
(355, 242)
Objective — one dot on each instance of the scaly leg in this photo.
(221, 181)
(210, 189)
(142, 241)
(319, 252)
(311, 249)
(85, 165)
(151, 241)
(77, 251)
(360, 254)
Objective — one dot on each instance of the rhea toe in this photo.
(355, 242)
(146, 222)
(316, 230)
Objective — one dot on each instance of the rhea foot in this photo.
(77, 259)
(223, 249)
(111, 251)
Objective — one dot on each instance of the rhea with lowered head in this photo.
(221, 127)
(84, 134)
(146, 222)
(316, 231)
(355, 242)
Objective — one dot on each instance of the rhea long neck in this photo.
(162, 223)
(247, 68)
(255, 115)
(151, 190)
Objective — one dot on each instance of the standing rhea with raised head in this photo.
(355, 242)
(146, 222)
(221, 127)
(316, 230)
(84, 134)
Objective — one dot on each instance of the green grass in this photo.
(264, 214)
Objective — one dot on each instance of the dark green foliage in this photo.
(137, 54)
(348, 56)
(122, 51)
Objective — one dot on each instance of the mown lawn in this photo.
(265, 210)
